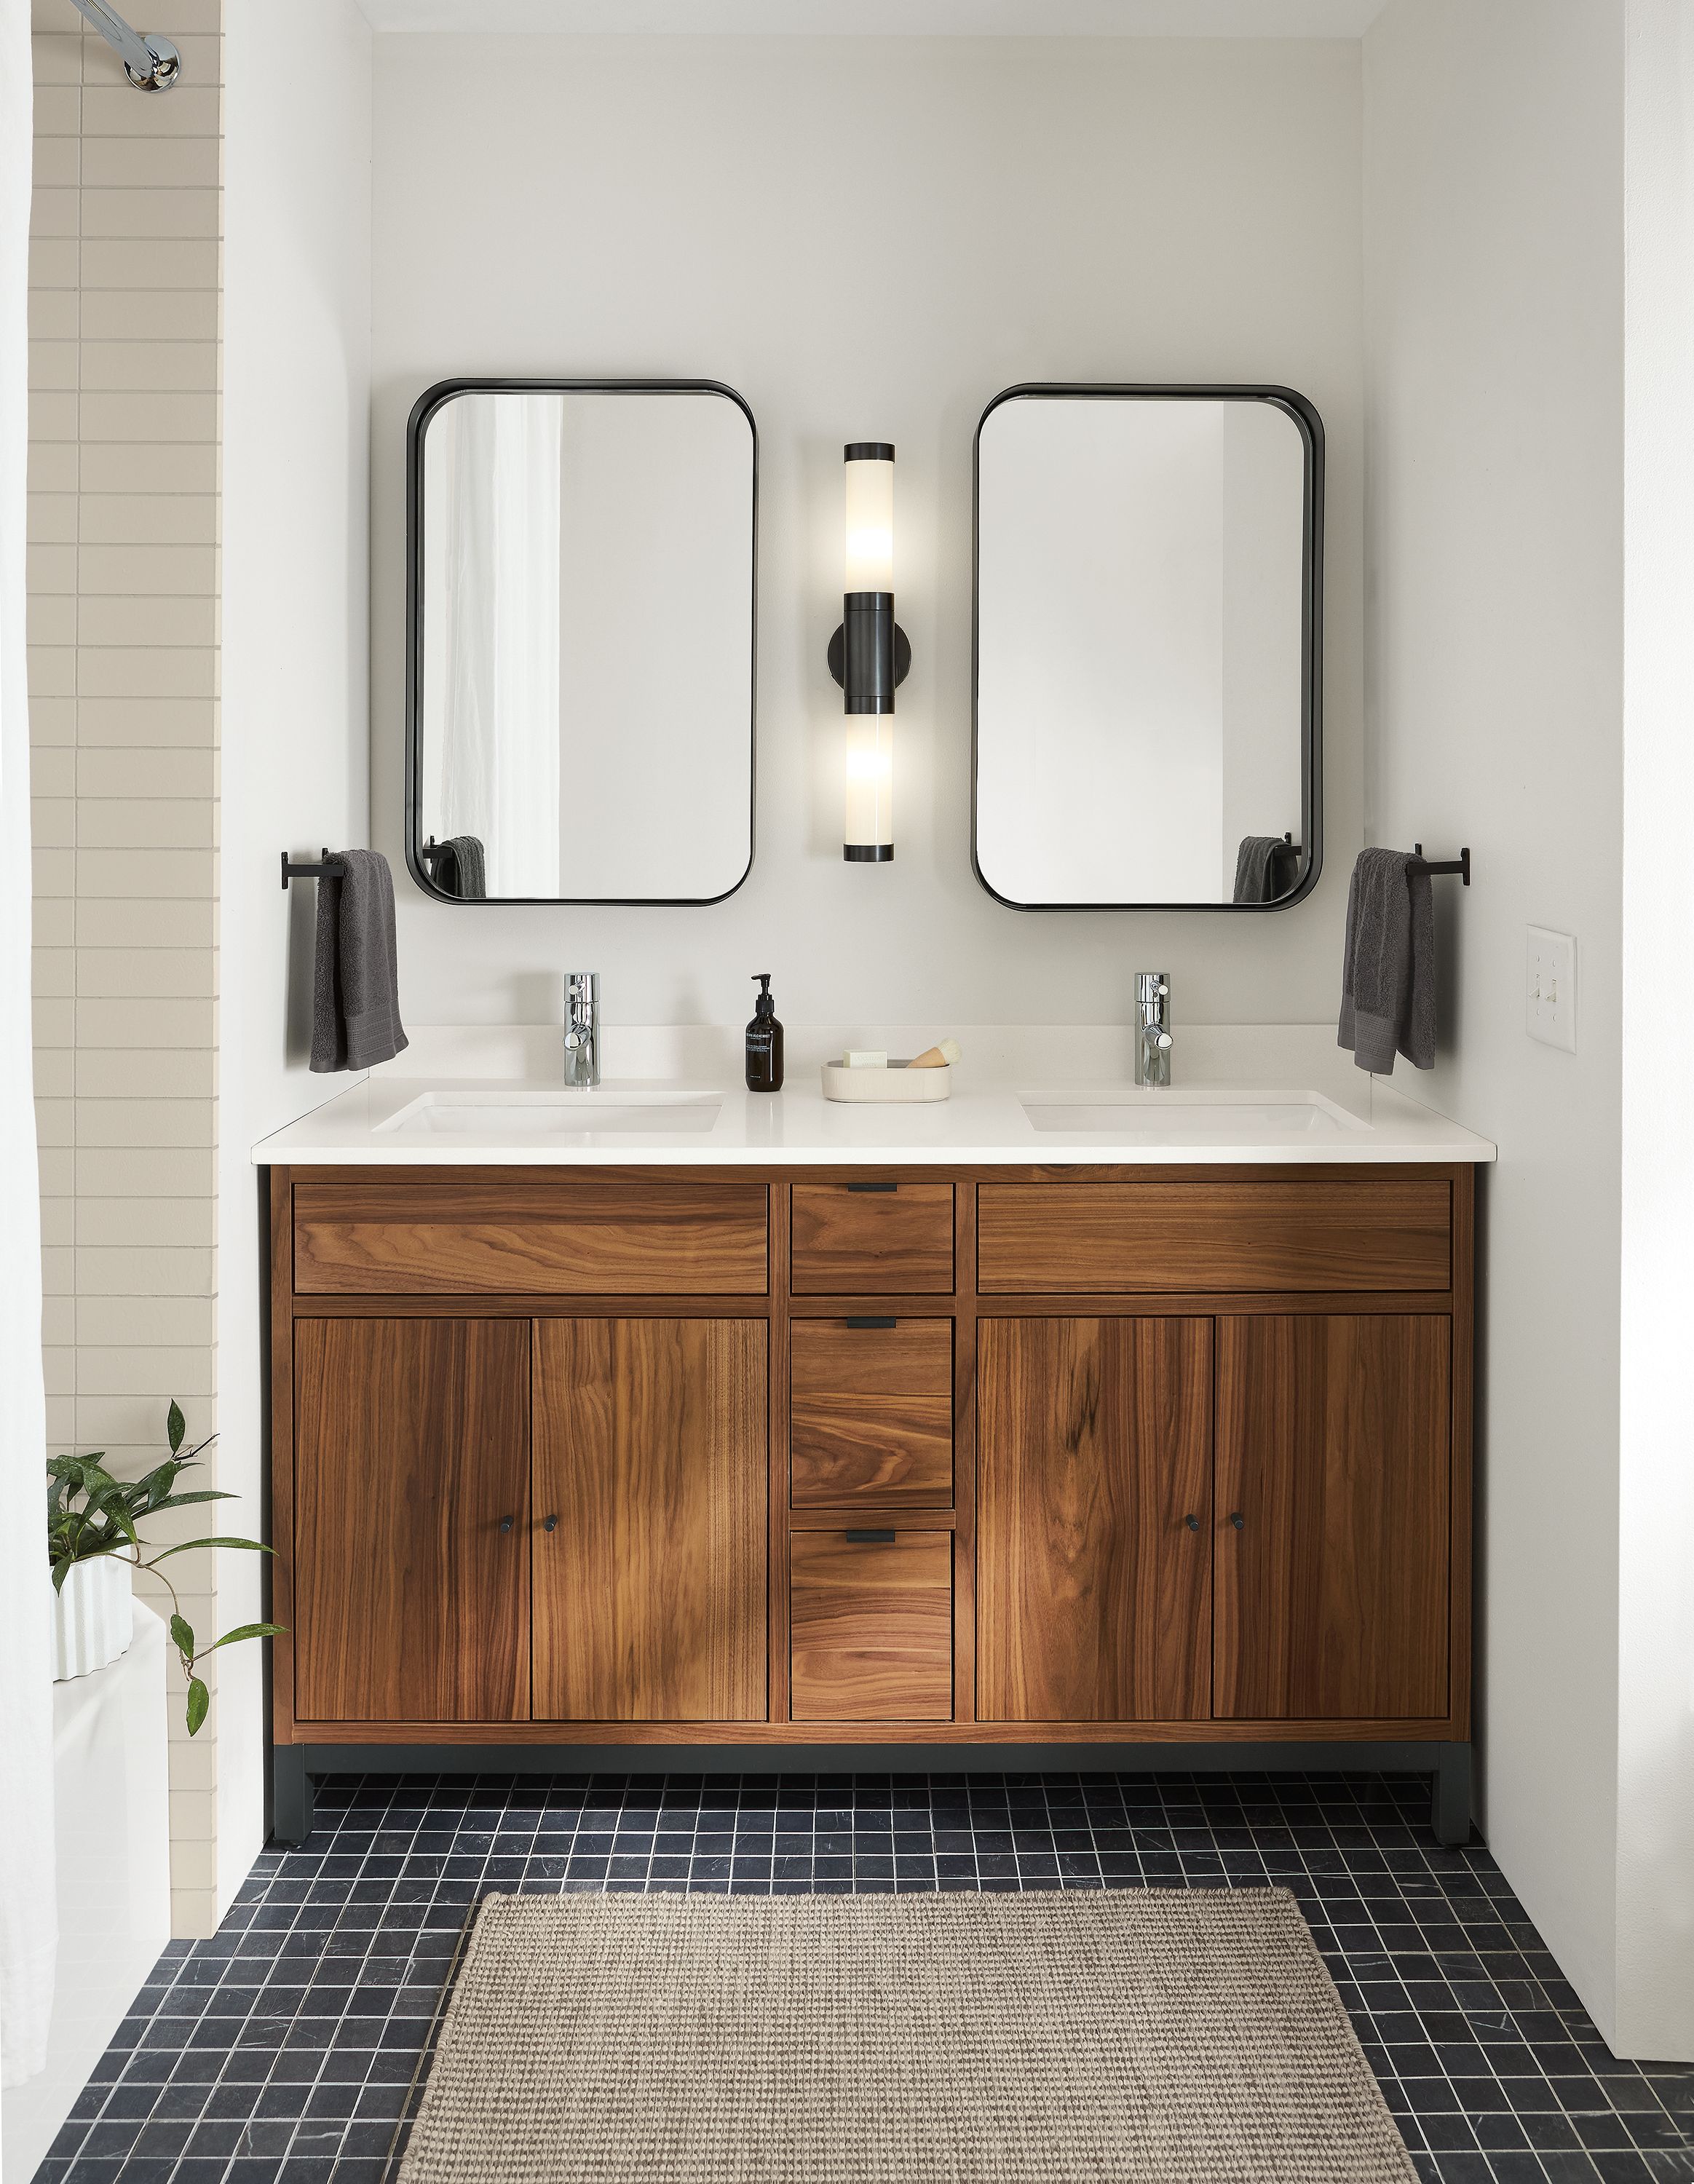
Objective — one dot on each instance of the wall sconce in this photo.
(868, 654)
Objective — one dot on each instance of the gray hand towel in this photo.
(1388, 965)
(464, 871)
(355, 985)
(1262, 868)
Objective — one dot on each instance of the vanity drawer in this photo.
(872, 1626)
(853, 1238)
(1068, 1239)
(569, 1236)
(870, 1413)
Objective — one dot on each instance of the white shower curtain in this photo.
(27, 1926)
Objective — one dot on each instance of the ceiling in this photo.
(1032, 18)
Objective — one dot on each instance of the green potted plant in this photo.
(94, 1546)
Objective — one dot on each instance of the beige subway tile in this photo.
(202, 19)
(54, 263)
(159, 972)
(59, 109)
(50, 620)
(50, 568)
(159, 418)
(138, 314)
(54, 1023)
(54, 921)
(58, 1320)
(184, 874)
(132, 1024)
(113, 109)
(52, 770)
(59, 1223)
(140, 466)
(54, 465)
(140, 1321)
(145, 519)
(147, 672)
(55, 1122)
(58, 1368)
(154, 723)
(61, 1422)
(52, 874)
(151, 1370)
(139, 367)
(52, 518)
(202, 58)
(54, 364)
(129, 1427)
(147, 569)
(52, 671)
(161, 1075)
(53, 721)
(58, 1169)
(55, 315)
(167, 621)
(147, 216)
(108, 1223)
(142, 1270)
(52, 973)
(52, 822)
(52, 417)
(122, 772)
(53, 1072)
(58, 1272)
(160, 163)
(176, 263)
(145, 1171)
(150, 925)
(53, 212)
(160, 822)
(151, 1123)
(58, 162)
(55, 58)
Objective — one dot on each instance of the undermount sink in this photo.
(1188, 1118)
(485, 1112)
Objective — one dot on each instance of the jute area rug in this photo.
(1173, 2035)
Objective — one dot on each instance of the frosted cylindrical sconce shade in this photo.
(870, 516)
(868, 836)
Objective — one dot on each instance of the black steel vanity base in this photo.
(296, 1765)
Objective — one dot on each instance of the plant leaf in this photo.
(248, 1631)
(199, 1494)
(175, 1426)
(199, 1698)
(182, 1638)
(184, 1547)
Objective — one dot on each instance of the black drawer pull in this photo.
(873, 1186)
(506, 1523)
(864, 1322)
(1237, 1520)
(871, 1539)
(1192, 1523)
(547, 1524)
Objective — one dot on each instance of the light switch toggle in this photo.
(1550, 987)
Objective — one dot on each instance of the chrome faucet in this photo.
(582, 1028)
(1153, 1041)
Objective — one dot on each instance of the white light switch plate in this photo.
(1550, 987)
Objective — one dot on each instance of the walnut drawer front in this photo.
(852, 1239)
(871, 1412)
(872, 1626)
(1070, 1237)
(575, 1236)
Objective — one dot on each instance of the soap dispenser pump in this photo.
(763, 1042)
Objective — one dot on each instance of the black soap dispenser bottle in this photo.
(763, 1042)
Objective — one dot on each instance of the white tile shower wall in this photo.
(124, 584)
(868, 235)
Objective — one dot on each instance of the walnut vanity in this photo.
(778, 1461)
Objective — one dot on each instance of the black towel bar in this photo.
(1460, 864)
(331, 868)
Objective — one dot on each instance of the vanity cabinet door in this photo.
(411, 1492)
(1334, 1453)
(652, 1510)
(1094, 1519)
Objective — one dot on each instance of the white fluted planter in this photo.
(94, 1617)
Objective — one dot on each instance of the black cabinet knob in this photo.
(1192, 1523)
(547, 1524)
(1237, 1520)
(506, 1523)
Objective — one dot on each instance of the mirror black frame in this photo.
(1310, 425)
(432, 399)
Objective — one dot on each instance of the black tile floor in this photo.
(286, 2050)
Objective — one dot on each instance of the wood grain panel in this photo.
(651, 1451)
(411, 1449)
(873, 1627)
(893, 1242)
(577, 1234)
(1305, 1234)
(1332, 1595)
(1094, 1597)
(871, 1413)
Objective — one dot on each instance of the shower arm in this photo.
(150, 62)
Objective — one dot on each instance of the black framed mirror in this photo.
(581, 609)
(1147, 671)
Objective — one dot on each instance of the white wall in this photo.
(1656, 1589)
(295, 718)
(869, 237)
(1493, 224)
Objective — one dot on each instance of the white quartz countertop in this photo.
(1271, 1094)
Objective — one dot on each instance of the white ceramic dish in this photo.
(900, 1081)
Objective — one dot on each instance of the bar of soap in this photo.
(866, 1057)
